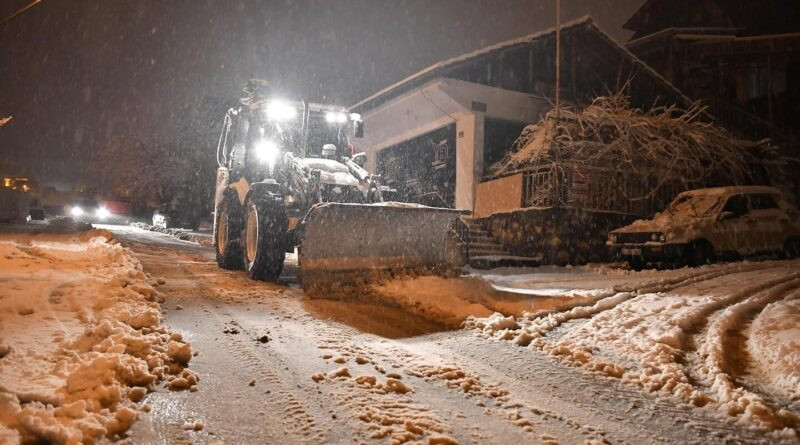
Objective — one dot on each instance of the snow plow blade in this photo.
(343, 245)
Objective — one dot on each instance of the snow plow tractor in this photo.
(288, 178)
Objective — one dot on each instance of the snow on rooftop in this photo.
(585, 21)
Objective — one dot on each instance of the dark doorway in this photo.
(498, 137)
(423, 169)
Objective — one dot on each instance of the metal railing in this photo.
(595, 189)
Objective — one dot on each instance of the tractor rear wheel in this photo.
(264, 236)
(229, 231)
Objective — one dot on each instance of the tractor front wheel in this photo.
(264, 234)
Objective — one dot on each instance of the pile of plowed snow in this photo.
(80, 340)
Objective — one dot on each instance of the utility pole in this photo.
(556, 143)
(558, 59)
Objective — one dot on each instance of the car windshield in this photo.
(694, 205)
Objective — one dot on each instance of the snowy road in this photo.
(277, 367)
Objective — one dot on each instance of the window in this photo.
(761, 202)
(736, 205)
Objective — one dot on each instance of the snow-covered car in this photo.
(702, 225)
(88, 210)
(170, 216)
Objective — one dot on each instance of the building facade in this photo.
(433, 135)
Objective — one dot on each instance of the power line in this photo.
(20, 11)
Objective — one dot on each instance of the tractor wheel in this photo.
(264, 233)
(791, 248)
(699, 253)
(229, 221)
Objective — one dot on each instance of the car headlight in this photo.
(267, 151)
(76, 211)
(102, 213)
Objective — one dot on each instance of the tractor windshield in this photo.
(321, 132)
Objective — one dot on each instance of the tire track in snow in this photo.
(662, 368)
(549, 324)
(609, 409)
(297, 415)
(722, 346)
(434, 385)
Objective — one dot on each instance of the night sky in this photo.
(75, 72)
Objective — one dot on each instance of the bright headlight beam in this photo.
(280, 111)
(76, 211)
(103, 213)
(333, 117)
(267, 150)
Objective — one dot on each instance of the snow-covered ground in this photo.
(80, 339)
(724, 337)
(394, 364)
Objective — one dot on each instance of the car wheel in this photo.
(791, 248)
(229, 231)
(699, 253)
(264, 232)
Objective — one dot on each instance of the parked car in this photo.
(702, 225)
(172, 216)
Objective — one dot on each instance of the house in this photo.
(740, 57)
(433, 135)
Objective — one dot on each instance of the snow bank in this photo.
(80, 340)
(512, 292)
(204, 240)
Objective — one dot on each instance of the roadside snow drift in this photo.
(80, 340)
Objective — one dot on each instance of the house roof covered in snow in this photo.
(592, 63)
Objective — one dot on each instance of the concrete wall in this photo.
(439, 103)
(499, 195)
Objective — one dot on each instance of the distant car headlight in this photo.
(102, 213)
(76, 211)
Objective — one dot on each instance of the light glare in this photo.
(333, 117)
(267, 150)
(280, 111)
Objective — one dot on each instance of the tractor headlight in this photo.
(76, 211)
(335, 118)
(281, 111)
(267, 151)
(102, 213)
